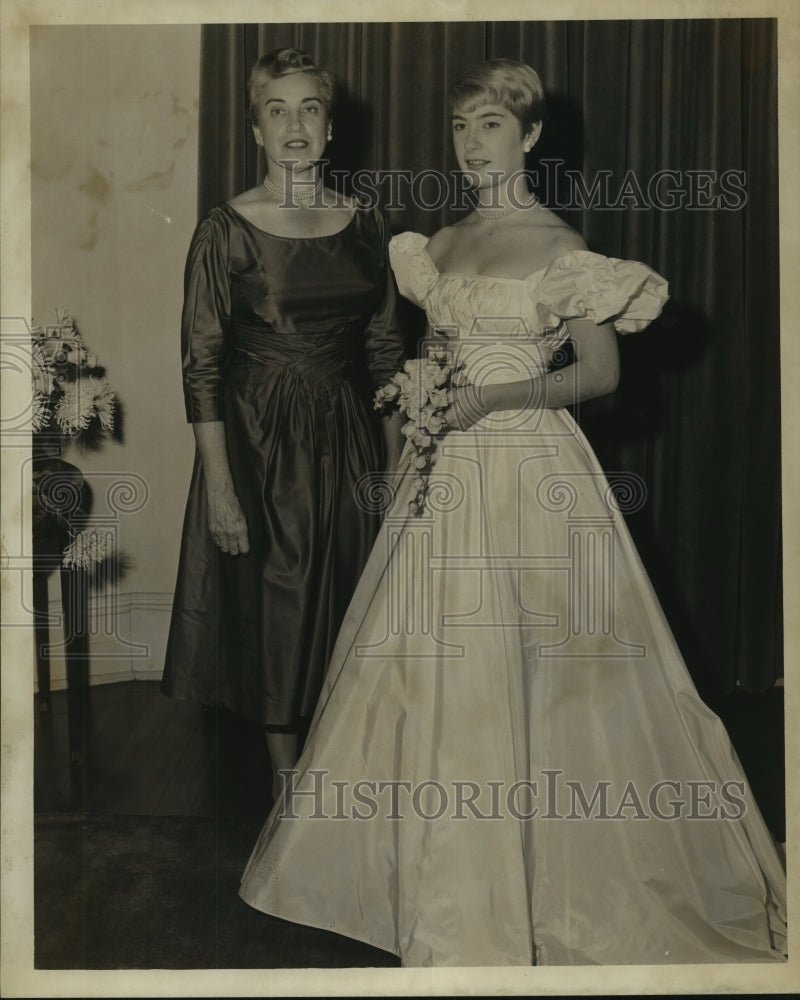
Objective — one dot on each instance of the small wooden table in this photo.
(59, 492)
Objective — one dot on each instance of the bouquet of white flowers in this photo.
(64, 393)
(421, 391)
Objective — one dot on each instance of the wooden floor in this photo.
(149, 755)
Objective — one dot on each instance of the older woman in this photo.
(288, 323)
(521, 771)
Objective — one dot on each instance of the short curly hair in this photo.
(512, 84)
(283, 62)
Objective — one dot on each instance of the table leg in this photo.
(74, 601)
(41, 631)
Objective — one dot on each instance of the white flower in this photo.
(430, 374)
(434, 423)
(82, 400)
(412, 402)
(42, 376)
(42, 370)
(40, 413)
(104, 402)
(92, 545)
(439, 398)
(63, 393)
(422, 438)
(423, 395)
(386, 394)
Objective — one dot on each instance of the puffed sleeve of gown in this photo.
(205, 320)
(384, 342)
(586, 285)
(414, 271)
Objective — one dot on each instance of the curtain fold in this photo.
(698, 409)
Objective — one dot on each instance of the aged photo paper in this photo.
(19, 20)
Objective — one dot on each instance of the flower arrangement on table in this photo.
(421, 391)
(64, 393)
(70, 398)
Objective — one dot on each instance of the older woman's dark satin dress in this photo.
(284, 340)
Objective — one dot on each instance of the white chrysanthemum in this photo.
(103, 401)
(75, 409)
(82, 400)
(43, 373)
(40, 411)
(88, 547)
(43, 381)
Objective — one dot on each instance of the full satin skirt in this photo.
(509, 763)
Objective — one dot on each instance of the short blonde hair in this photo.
(283, 62)
(512, 84)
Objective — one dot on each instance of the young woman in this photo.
(288, 311)
(510, 764)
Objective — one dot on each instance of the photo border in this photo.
(18, 978)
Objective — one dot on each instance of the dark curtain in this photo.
(697, 411)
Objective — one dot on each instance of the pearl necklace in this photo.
(298, 192)
(498, 213)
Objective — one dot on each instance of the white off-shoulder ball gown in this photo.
(509, 763)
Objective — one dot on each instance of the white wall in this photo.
(113, 190)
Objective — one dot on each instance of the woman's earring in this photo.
(330, 134)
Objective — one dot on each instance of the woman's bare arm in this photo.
(595, 372)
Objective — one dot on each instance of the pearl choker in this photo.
(299, 190)
(498, 213)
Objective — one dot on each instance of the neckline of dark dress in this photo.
(291, 239)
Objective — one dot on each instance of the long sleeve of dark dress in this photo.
(283, 340)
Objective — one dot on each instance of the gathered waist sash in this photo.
(318, 371)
